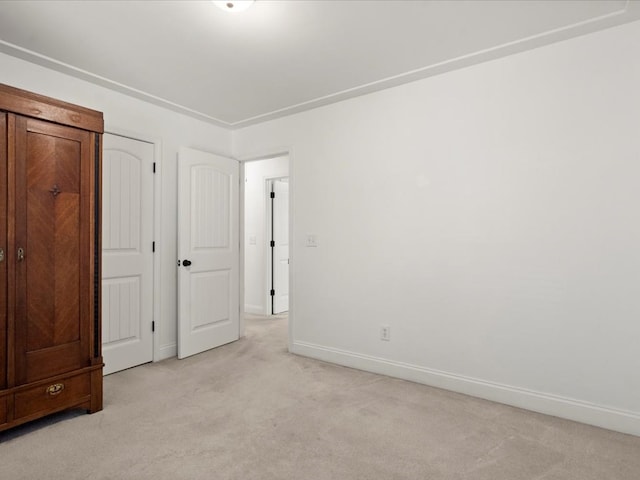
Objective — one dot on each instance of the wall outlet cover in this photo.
(385, 333)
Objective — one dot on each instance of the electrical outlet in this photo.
(385, 333)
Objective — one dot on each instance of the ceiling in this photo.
(282, 57)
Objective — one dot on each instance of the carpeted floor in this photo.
(250, 410)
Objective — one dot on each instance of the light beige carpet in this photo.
(250, 410)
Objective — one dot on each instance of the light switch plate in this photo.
(312, 240)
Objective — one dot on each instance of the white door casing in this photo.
(127, 255)
(280, 251)
(208, 238)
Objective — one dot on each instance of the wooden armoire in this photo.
(50, 174)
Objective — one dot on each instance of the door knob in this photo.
(186, 263)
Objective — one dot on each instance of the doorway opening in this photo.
(266, 236)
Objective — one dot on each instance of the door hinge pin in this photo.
(153, 246)
(273, 293)
(273, 194)
(273, 243)
(153, 326)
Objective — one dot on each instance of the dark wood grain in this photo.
(78, 401)
(3, 263)
(3, 410)
(54, 281)
(95, 330)
(39, 106)
(75, 390)
(15, 130)
(49, 323)
(96, 388)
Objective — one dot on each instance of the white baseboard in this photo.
(165, 351)
(254, 309)
(571, 409)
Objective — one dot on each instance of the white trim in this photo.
(266, 154)
(254, 309)
(292, 250)
(241, 234)
(165, 351)
(157, 232)
(555, 405)
(549, 37)
(75, 72)
(629, 13)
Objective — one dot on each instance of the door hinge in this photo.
(273, 194)
(154, 167)
(153, 326)
(272, 243)
(153, 246)
(273, 293)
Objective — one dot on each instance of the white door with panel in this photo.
(127, 252)
(208, 251)
(280, 250)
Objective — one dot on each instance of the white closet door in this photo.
(127, 256)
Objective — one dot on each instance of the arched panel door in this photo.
(208, 251)
(127, 252)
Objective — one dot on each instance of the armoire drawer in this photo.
(53, 396)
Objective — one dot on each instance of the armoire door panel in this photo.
(48, 362)
(3, 259)
(52, 160)
(3, 410)
(54, 169)
(52, 255)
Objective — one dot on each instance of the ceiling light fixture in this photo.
(234, 6)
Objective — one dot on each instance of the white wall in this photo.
(125, 114)
(255, 210)
(489, 216)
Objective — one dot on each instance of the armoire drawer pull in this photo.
(20, 254)
(55, 389)
(1, 254)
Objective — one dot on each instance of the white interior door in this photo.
(127, 254)
(281, 246)
(208, 249)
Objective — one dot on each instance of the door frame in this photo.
(157, 231)
(266, 155)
